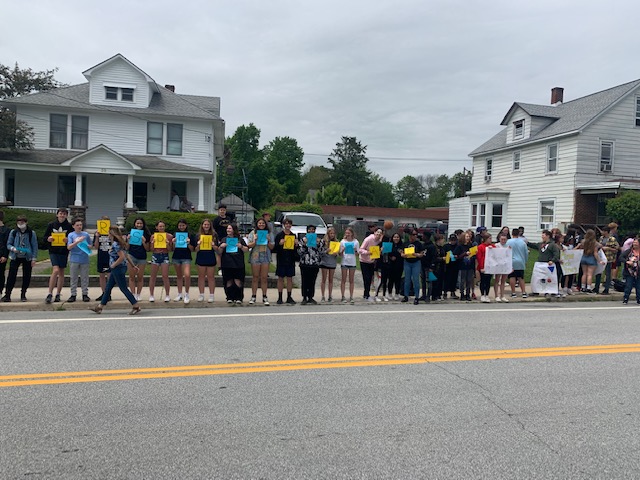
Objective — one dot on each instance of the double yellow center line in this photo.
(306, 364)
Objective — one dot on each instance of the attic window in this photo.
(122, 93)
(518, 129)
(127, 94)
(111, 93)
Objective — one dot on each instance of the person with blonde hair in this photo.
(206, 260)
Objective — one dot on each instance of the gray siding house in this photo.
(556, 164)
(118, 143)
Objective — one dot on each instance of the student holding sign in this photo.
(139, 243)
(23, 250)
(485, 278)
(369, 253)
(284, 248)
(349, 246)
(232, 250)
(330, 248)
(310, 255)
(102, 244)
(183, 244)
(56, 234)
(206, 248)
(79, 251)
(412, 252)
(261, 243)
(161, 242)
(466, 263)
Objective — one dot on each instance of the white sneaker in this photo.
(151, 299)
(370, 299)
(167, 299)
(137, 297)
(498, 299)
(178, 298)
(210, 299)
(201, 298)
(505, 300)
(186, 299)
(385, 298)
(377, 299)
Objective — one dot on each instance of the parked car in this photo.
(300, 222)
(434, 227)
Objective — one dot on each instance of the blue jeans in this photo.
(118, 277)
(412, 273)
(631, 282)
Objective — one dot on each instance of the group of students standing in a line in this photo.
(427, 269)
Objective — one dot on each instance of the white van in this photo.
(300, 221)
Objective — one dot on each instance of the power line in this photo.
(404, 159)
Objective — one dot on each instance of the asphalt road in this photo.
(378, 391)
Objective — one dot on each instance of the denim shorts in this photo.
(59, 260)
(348, 267)
(159, 258)
(137, 261)
(589, 260)
(181, 261)
(258, 258)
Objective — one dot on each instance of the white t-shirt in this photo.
(349, 259)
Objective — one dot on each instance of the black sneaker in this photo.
(85, 298)
(71, 299)
(416, 301)
(23, 297)
(57, 299)
(291, 301)
(312, 301)
(99, 298)
(303, 302)
(404, 299)
(279, 302)
(5, 299)
(49, 299)
(624, 301)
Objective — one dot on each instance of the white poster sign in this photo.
(570, 261)
(498, 261)
(602, 262)
(544, 278)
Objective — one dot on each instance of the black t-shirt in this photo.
(184, 253)
(220, 225)
(419, 247)
(232, 260)
(56, 226)
(284, 257)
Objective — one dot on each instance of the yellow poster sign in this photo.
(374, 250)
(289, 242)
(334, 248)
(159, 240)
(59, 239)
(103, 227)
(206, 242)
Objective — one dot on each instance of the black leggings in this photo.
(485, 283)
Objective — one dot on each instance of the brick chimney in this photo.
(173, 88)
(557, 95)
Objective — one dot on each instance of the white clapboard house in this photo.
(556, 164)
(119, 142)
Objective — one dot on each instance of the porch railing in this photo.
(38, 209)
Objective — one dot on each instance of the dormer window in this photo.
(118, 93)
(111, 93)
(518, 129)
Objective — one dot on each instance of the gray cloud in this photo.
(411, 79)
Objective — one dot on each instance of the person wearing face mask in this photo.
(23, 250)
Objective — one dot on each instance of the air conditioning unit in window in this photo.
(487, 178)
(605, 167)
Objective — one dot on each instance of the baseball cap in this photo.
(480, 229)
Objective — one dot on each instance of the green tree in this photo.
(461, 183)
(284, 160)
(14, 82)
(410, 193)
(349, 162)
(244, 170)
(382, 191)
(314, 178)
(332, 194)
(438, 189)
(626, 209)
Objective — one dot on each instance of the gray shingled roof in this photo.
(569, 117)
(58, 157)
(165, 103)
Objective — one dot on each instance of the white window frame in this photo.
(79, 136)
(482, 214)
(517, 160)
(174, 145)
(550, 158)
(59, 134)
(124, 92)
(546, 225)
(518, 129)
(488, 169)
(605, 164)
(493, 216)
(155, 141)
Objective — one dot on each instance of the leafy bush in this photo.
(170, 219)
(37, 221)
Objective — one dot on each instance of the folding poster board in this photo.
(544, 278)
(570, 261)
(498, 261)
(135, 237)
(206, 242)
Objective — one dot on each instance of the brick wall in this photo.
(586, 209)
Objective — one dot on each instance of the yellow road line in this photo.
(307, 364)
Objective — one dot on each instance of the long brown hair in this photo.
(115, 232)
(589, 242)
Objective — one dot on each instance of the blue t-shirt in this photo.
(75, 254)
(113, 254)
(519, 253)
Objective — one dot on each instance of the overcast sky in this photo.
(420, 82)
